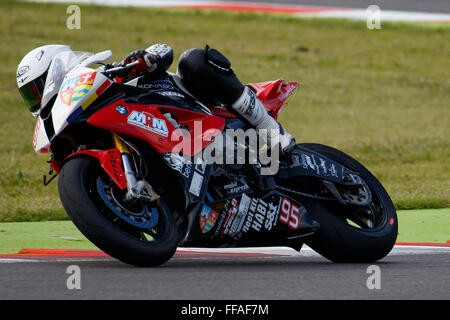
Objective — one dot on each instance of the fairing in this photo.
(109, 160)
(148, 123)
(274, 95)
(75, 88)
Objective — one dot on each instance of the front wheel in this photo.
(354, 233)
(140, 233)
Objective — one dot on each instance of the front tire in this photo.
(340, 241)
(79, 192)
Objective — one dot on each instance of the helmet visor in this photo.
(32, 94)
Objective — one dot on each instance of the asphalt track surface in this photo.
(407, 273)
(438, 6)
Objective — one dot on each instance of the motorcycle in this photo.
(131, 193)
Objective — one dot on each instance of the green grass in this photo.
(43, 235)
(380, 95)
(429, 225)
(414, 226)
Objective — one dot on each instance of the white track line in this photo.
(13, 260)
(308, 252)
(281, 251)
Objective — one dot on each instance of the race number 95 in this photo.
(290, 214)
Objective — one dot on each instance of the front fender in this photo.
(110, 160)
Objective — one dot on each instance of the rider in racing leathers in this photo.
(207, 74)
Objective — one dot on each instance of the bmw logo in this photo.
(121, 110)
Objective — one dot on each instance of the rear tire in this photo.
(81, 201)
(339, 241)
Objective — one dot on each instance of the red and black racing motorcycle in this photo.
(127, 190)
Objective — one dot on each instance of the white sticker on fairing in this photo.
(240, 218)
(148, 122)
(196, 184)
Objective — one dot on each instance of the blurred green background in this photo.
(382, 96)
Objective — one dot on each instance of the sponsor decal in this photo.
(170, 94)
(258, 207)
(23, 70)
(231, 185)
(121, 110)
(307, 162)
(321, 167)
(158, 85)
(208, 218)
(251, 104)
(36, 132)
(39, 55)
(238, 222)
(234, 188)
(249, 214)
(22, 80)
(246, 214)
(179, 163)
(239, 189)
(316, 164)
(248, 222)
(262, 215)
(162, 87)
(148, 122)
(73, 89)
(333, 171)
(232, 212)
(271, 216)
(223, 216)
(230, 209)
(105, 85)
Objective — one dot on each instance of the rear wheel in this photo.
(140, 233)
(353, 233)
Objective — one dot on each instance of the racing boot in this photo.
(252, 110)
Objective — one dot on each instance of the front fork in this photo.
(134, 187)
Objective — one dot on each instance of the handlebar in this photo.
(121, 68)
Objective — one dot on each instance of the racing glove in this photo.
(146, 62)
(156, 59)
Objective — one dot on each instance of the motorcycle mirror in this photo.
(97, 58)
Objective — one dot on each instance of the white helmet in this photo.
(32, 72)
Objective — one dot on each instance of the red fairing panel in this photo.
(274, 94)
(110, 161)
(221, 112)
(147, 123)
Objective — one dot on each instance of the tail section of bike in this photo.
(275, 95)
